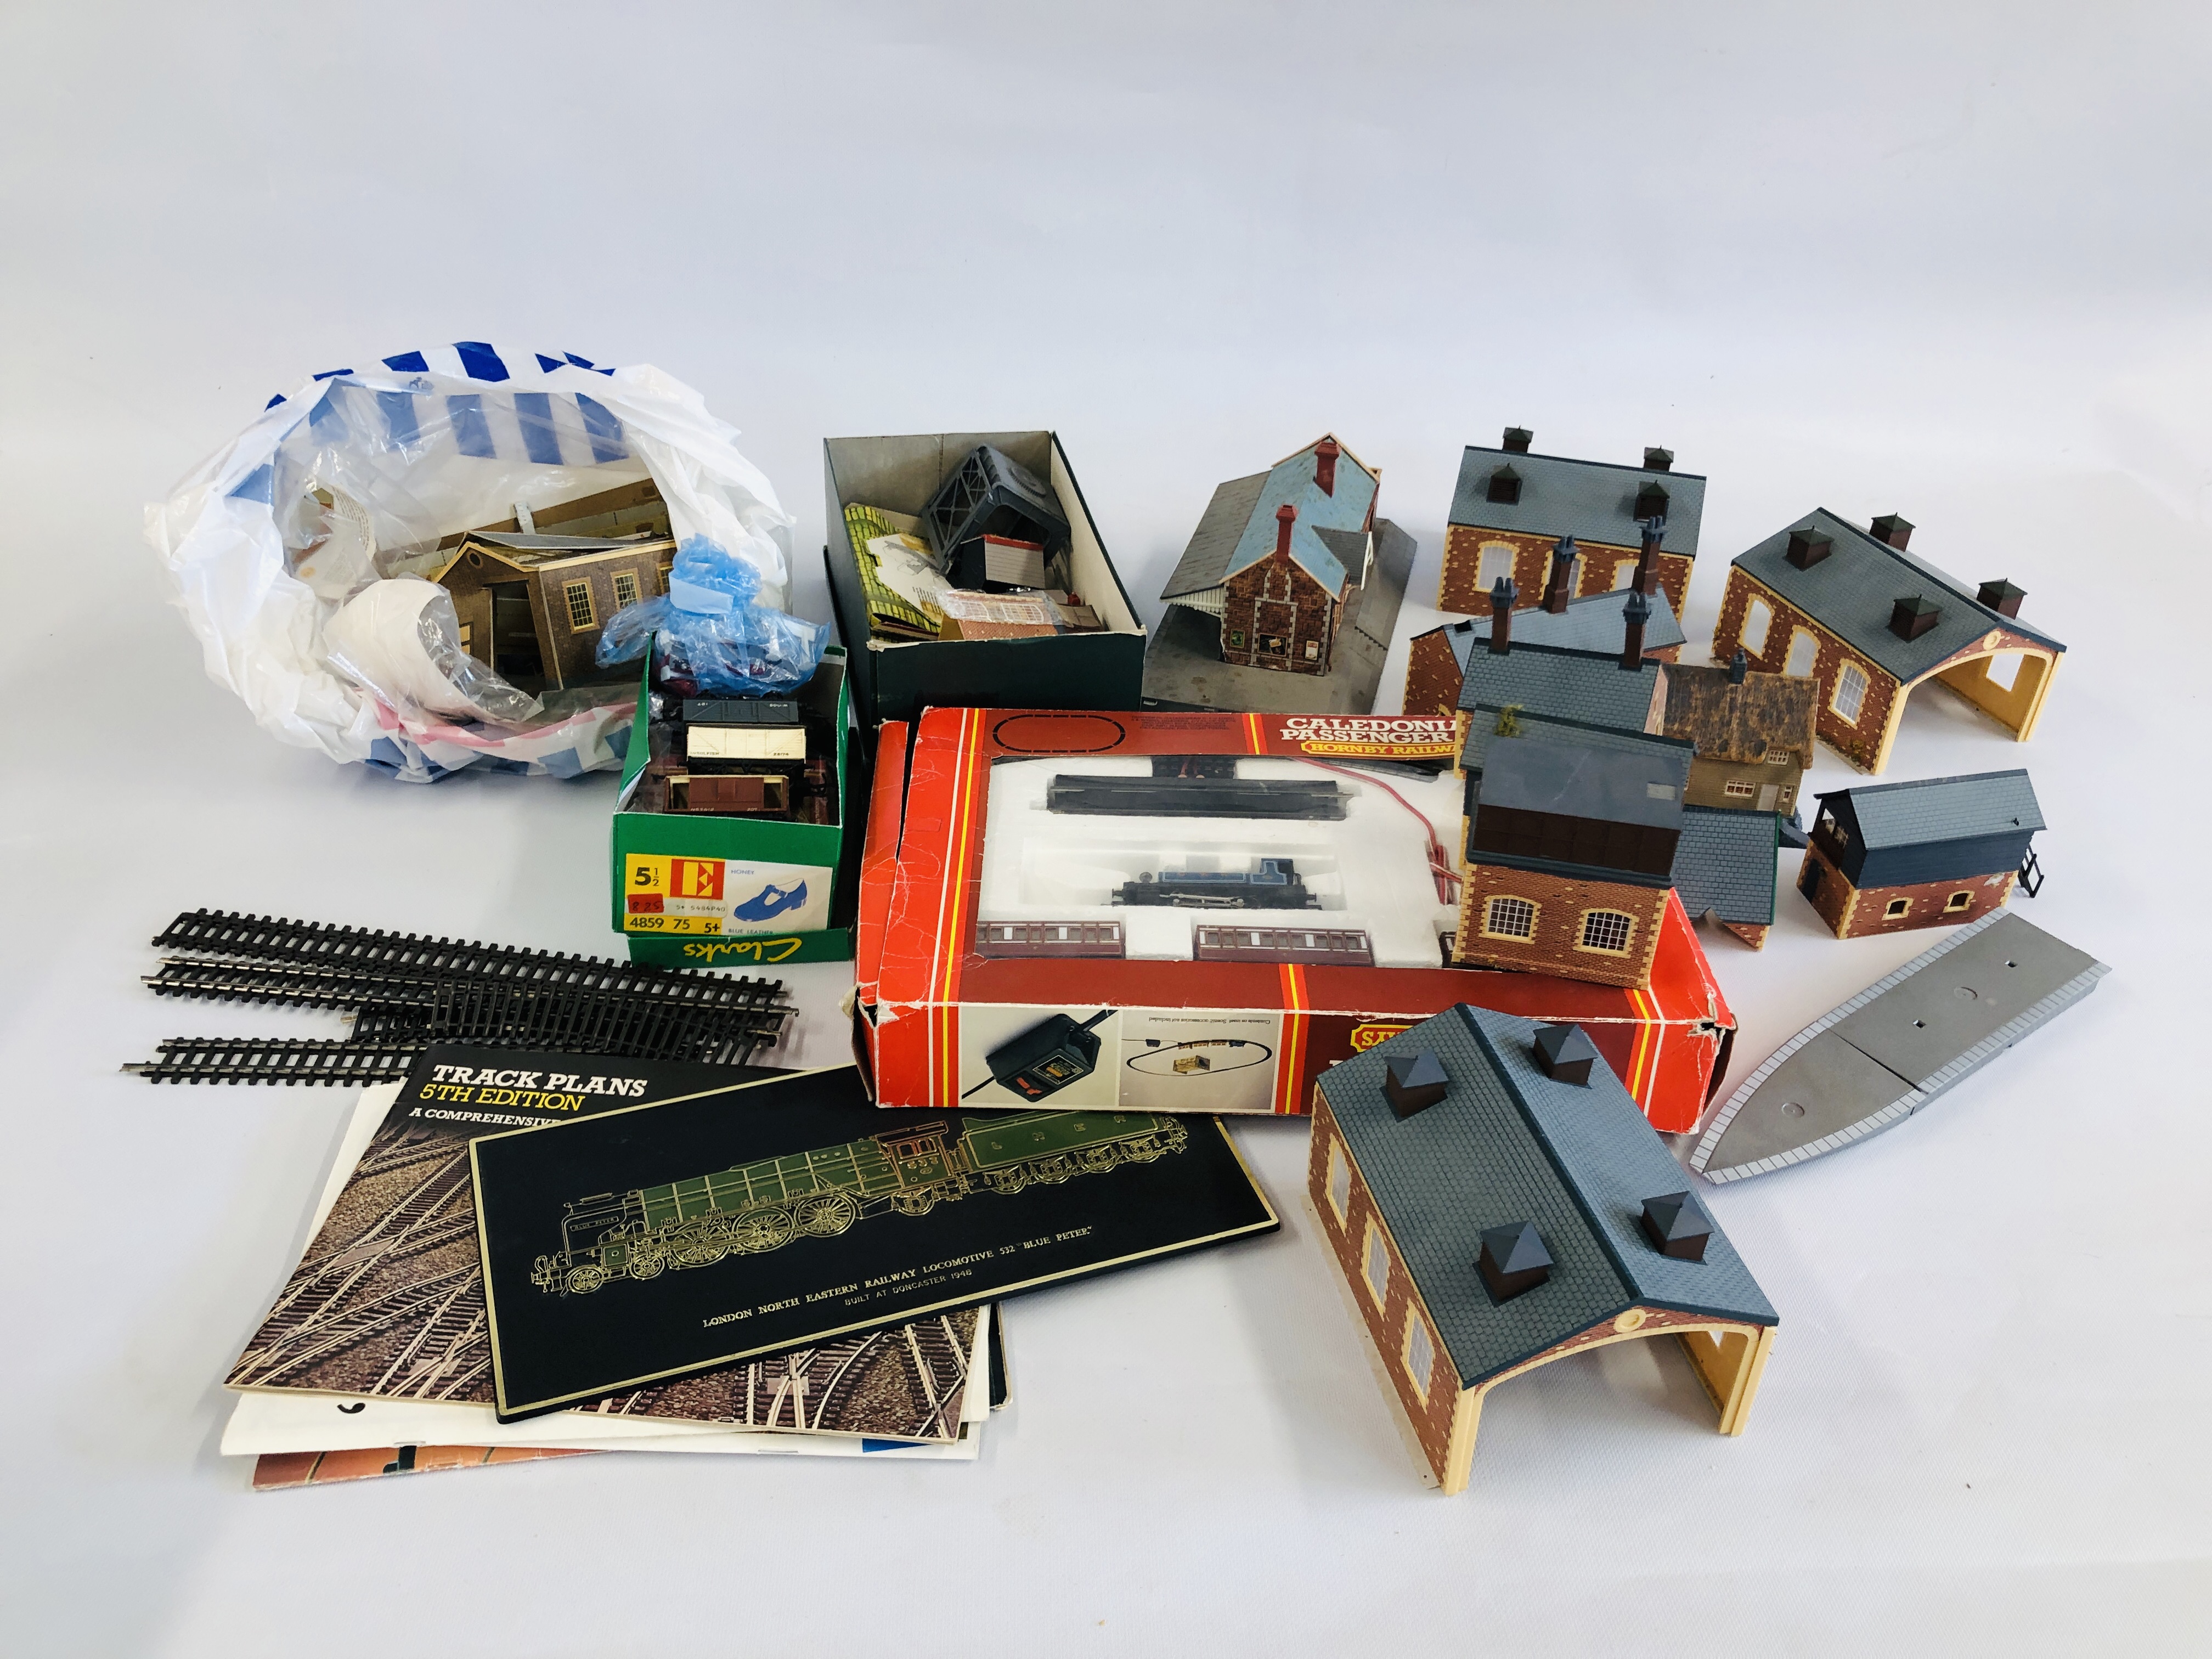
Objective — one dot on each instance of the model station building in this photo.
(1495, 1201)
(1513, 506)
(1868, 622)
(1286, 596)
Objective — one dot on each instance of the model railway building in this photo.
(533, 606)
(1436, 662)
(1513, 506)
(1290, 573)
(1884, 857)
(1868, 622)
(1570, 854)
(1754, 732)
(1495, 1201)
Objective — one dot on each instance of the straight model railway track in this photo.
(405, 993)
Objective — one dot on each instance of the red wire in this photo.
(1447, 879)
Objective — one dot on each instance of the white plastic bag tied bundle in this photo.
(325, 504)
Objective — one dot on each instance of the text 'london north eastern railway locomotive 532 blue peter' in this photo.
(751, 1207)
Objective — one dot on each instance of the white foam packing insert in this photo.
(1369, 870)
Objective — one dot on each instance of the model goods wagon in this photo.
(751, 1207)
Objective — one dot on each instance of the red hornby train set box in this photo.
(1197, 912)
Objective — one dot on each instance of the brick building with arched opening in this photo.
(1868, 621)
(1495, 1201)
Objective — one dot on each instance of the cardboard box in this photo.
(896, 680)
(681, 879)
(957, 959)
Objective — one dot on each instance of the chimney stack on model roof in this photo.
(1285, 516)
(1561, 586)
(1636, 613)
(1502, 595)
(1654, 528)
(1325, 454)
(1807, 548)
(2002, 597)
(1892, 529)
(1517, 440)
(1739, 665)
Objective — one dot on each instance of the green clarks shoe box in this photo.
(896, 680)
(698, 891)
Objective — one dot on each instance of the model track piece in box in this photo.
(974, 891)
(1872, 1062)
(1487, 1211)
(1287, 595)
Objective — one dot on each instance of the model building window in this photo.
(1623, 575)
(1851, 692)
(1758, 617)
(1498, 562)
(578, 598)
(625, 589)
(1959, 900)
(468, 631)
(1376, 1267)
(1339, 1180)
(1509, 918)
(1419, 1352)
(1737, 787)
(1608, 930)
(1804, 653)
(1274, 645)
(1896, 908)
(1779, 756)
(1313, 650)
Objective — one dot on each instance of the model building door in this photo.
(1275, 622)
(513, 650)
(1768, 794)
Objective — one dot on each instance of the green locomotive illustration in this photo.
(751, 1207)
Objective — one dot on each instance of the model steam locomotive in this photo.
(753, 1207)
(1274, 887)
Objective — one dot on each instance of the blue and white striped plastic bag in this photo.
(423, 444)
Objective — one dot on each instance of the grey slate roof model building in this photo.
(1872, 1062)
(1511, 506)
(1286, 596)
(1724, 869)
(1869, 621)
(1436, 661)
(1886, 858)
(1568, 854)
(1408, 1205)
(1576, 685)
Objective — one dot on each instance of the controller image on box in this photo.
(1047, 1057)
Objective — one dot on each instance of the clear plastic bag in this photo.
(353, 480)
(713, 633)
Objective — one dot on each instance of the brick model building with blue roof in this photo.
(1495, 1201)
(1289, 572)
(1870, 623)
(1512, 507)
(1886, 857)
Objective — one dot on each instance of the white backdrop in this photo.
(1948, 261)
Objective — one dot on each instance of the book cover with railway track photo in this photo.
(634, 1247)
(387, 1303)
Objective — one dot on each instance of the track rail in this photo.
(270, 1059)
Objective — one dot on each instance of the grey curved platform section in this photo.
(1875, 1061)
